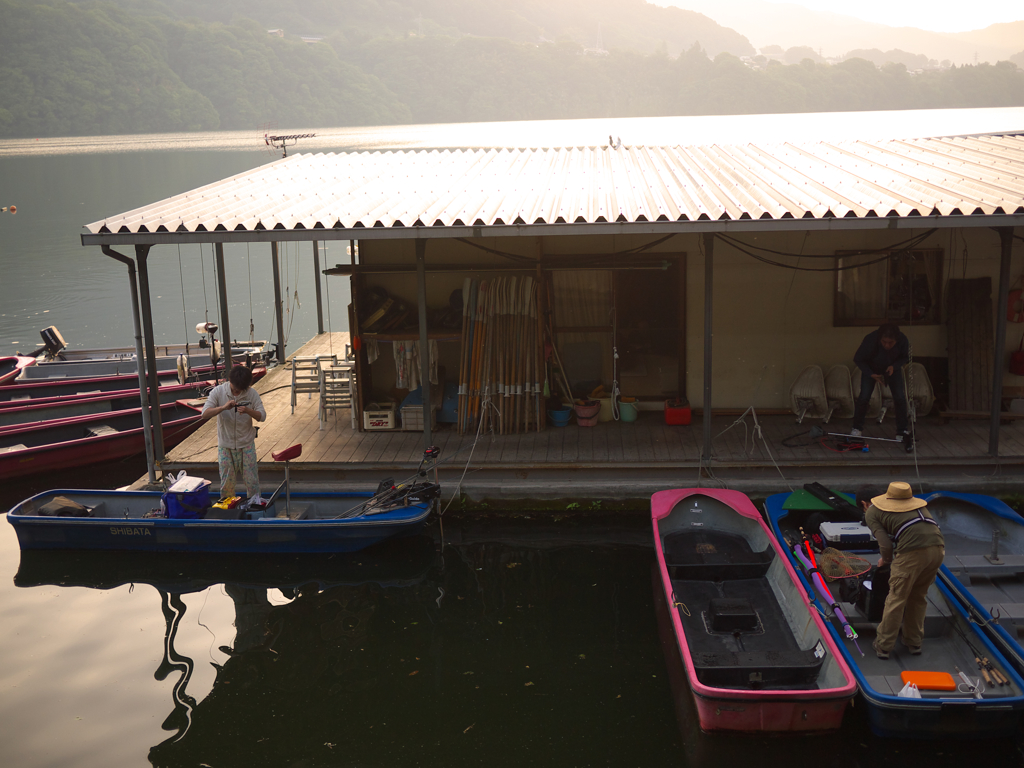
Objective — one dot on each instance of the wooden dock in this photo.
(613, 459)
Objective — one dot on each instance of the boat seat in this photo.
(15, 447)
(706, 555)
(97, 430)
(757, 669)
(979, 565)
(292, 452)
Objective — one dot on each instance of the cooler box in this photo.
(188, 497)
(846, 535)
(378, 417)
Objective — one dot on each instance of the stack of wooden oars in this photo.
(502, 367)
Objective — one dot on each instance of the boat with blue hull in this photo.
(953, 645)
(984, 563)
(315, 522)
(287, 522)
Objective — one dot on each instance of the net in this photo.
(835, 564)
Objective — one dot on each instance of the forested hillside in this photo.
(93, 68)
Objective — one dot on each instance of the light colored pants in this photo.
(238, 461)
(912, 574)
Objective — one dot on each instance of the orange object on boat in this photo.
(929, 681)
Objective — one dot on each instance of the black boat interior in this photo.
(738, 632)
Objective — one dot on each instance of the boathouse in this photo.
(712, 273)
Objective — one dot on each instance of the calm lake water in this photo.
(525, 640)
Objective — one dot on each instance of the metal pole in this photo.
(999, 358)
(319, 301)
(140, 357)
(421, 297)
(141, 252)
(278, 304)
(225, 329)
(709, 272)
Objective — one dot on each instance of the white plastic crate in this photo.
(412, 418)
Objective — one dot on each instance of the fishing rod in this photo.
(815, 574)
(992, 675)
(385, 494)
(907, 440)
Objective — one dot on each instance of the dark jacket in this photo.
(872, 357)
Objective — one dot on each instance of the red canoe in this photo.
(83, 440)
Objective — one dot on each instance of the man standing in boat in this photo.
(880, 358)
(911, 541)
(236, 405)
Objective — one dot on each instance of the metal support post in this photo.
(140, 358)
(319, 300)
(709, 272)
(999, 358)
(421, 296)
(141, 253)
(278, 304)
(225, 328)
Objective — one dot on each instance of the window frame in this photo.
(935, 268)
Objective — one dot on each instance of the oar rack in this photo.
(502, 364)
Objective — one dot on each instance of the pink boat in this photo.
(12, 366)
(757, 655)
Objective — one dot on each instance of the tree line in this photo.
(95, 68)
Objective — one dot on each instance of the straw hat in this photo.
(899, 498)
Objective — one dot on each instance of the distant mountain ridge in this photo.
(635, 25)
(834, 34)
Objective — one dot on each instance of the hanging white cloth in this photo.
(407, 363)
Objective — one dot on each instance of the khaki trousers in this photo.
(912, 574)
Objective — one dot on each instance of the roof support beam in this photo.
(654, 228)
(225, 327)
(998, 359)
(139, 357)
(278, 304)
(709, 274)
(421, 300)
(319, 300)
(141, 254)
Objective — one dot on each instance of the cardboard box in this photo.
(377, 417)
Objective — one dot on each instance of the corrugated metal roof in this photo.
(368, 193)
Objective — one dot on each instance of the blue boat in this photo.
(984, 563)
(289, 522)
(973, 709)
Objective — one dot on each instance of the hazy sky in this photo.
(940, 16)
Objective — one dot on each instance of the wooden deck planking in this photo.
(648, 440)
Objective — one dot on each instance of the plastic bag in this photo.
(909, 691)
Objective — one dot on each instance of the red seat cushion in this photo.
(288, 453)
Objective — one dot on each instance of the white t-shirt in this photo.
(234, 429)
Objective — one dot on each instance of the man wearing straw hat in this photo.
(900, 522)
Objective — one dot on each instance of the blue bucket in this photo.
(559, 417)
